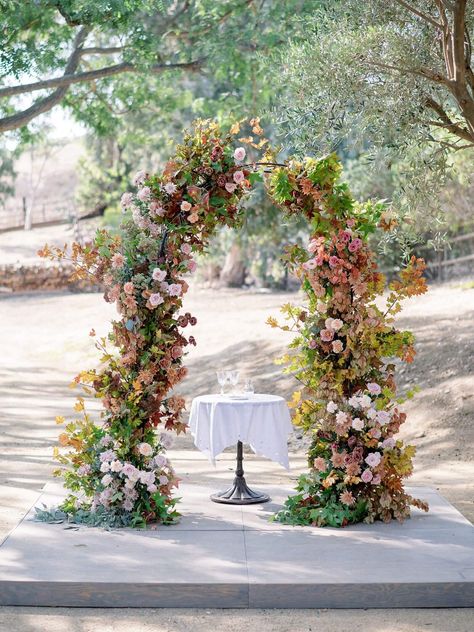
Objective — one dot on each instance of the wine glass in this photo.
(248, 387)
(222, 379)
(233, 377)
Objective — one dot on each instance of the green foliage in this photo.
(313, 505)
(375, 106)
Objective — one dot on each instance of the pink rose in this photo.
(176, 352)
(158, 274)
(239, 177)
(383, 417)
(388, 443)
(355, 245)
(239, 154)
(186, 249)
(345, 236)
(145, 449)
(129, 288)
(175, 289)
(186, 206)
(373, 459)
(312, 344)
(230, 187)
(351, 222)
(319, 260)
(333, 323)
(192, 265)
(367, 476)
(337, 346)
(333, 261)
(313, 245)
(376, 480)
(156, 299)
(326, 335)
(374, 388)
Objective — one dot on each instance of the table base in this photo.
(240, 493)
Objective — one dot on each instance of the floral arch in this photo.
(341, 353)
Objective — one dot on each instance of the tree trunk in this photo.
(233, 271)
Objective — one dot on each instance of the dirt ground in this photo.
(45, 343)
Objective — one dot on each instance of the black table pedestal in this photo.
(240, 493)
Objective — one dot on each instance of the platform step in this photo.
(228, 556)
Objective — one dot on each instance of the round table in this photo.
(260, 420)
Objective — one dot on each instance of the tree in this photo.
(391, 82)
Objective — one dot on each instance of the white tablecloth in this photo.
(262, 421)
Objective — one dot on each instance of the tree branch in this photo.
(426, 73)
(46, 104)
(98, 50)
(109, 71)
(420, 14)
(446, 122)
(458, 35)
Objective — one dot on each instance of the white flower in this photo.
(145, 449)
(353, 401)
(144, 194)
(388, 443)
(106, 480)
(139, 178)
(126, 200)
(170, 188)
(371, 413)
(239, 154)
(341, 417)
(373, 459)
(163, 480)
(321, 307)
(357, 423)
(116, 466)
(365, 401)
(105, 466)
(331, 407)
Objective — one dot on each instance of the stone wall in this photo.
(25, 278)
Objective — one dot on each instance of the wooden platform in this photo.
(231, 556)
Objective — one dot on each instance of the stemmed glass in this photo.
(222, 379)
(233, 377)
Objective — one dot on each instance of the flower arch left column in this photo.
(119, 467)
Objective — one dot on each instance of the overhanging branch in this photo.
(109, 71)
